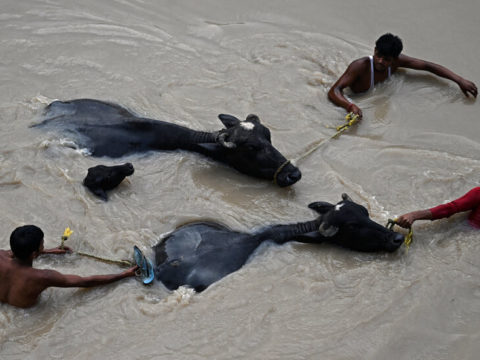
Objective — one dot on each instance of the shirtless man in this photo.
(21, 284)
(362, 74)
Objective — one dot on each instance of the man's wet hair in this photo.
(389, 45)
(25, 240)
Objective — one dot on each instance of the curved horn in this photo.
(321, 207)
(227, 144)
(345, 197)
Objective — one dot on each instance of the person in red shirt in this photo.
(469, 201)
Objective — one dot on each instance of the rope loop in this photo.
(408, 238)
(280, 168)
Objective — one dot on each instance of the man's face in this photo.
(40, 249)
(381, 62)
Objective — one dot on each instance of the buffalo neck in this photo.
(284, 233)
(168, 136)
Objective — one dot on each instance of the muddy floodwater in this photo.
(187, 61)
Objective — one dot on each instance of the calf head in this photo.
(101, 178)
(247, 147)
(348, 224)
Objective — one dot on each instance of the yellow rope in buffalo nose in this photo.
(351, 119)
(408, 238)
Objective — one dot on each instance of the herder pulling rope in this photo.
(351, 119)
(408, 239)
(145, 267)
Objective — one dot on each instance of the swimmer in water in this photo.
(21, 284)
(362, 74)
(469, 201)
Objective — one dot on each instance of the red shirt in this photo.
(469, 201)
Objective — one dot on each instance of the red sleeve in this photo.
(469, 201)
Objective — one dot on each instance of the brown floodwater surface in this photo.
(188, 61)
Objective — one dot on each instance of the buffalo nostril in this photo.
(294, 176)
(129, 168)
(398, 239)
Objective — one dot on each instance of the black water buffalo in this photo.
(199, 254)
(101, 178)
(107, 129)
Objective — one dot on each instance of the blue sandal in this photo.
(145, 266)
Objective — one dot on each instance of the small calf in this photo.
(101, 178)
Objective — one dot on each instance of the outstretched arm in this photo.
(469, 201)
(407, 220)
(54, 278)
(465, 85)
(335, 94)
(56, 250)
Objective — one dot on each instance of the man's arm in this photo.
(465, 85)
(54, 278)
(407, 220)
(56, 251)
(469, 201)
(335, 94)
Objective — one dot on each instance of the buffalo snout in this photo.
(288, 176)
(127, 169)
(394, 242)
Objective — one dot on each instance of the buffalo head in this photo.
(348, 224)
(101, 178)
(247, 147)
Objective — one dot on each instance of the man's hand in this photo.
(468, 87)
(355, 109)
(131, 271)
(406, 220)
(57, 250)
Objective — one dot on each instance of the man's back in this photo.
(19, 285)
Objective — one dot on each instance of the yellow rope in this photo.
(66, 235)
(408, 238)
(106, 260)
(351, 119)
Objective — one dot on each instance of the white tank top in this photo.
(372, 77)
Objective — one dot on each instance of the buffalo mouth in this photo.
(395, 242)
(128, 169)
(287, 176)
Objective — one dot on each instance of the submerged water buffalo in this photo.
(101, 178)
(199, 254)
(107, 129)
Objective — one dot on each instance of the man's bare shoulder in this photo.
(5, 253)
(360, 64)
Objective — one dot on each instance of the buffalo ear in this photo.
(327, 230)
(253, 118)
(321, 207)
(228, 120)
(345, 197)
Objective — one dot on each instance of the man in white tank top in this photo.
(362, 74)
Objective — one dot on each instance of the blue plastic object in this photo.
(145, 265)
